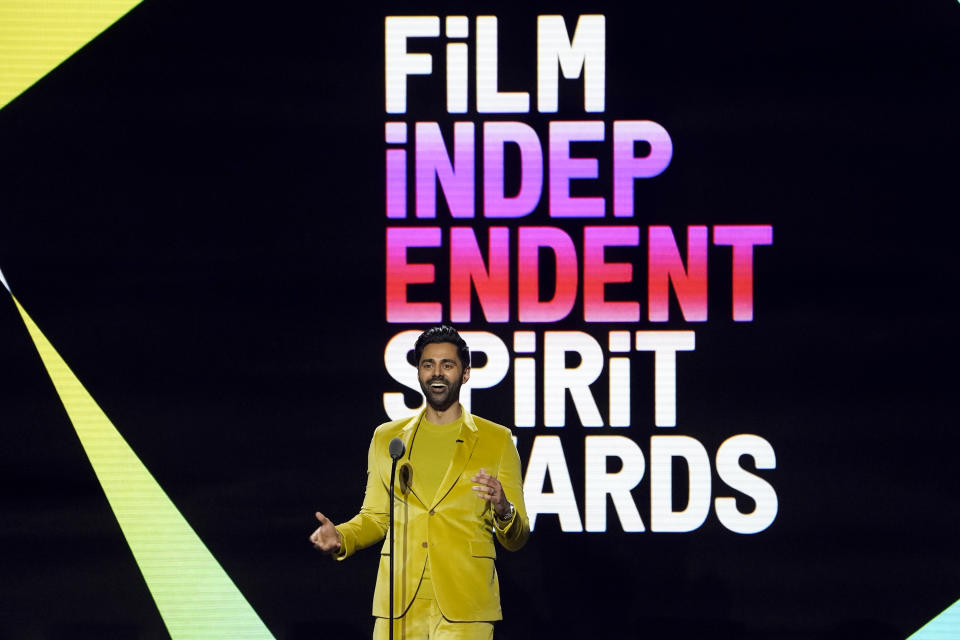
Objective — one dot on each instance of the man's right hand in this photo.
(326, 538)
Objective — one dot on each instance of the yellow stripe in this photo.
(195, 596)
(37, 36)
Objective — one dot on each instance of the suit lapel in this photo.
(406, 435)
(461, 454)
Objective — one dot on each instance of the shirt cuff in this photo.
(342, 553)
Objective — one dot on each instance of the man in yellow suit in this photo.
(458, 486)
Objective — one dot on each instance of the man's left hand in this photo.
(488, 488)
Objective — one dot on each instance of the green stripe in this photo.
(945, 626)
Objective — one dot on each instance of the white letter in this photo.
(599, 483)
(730, 471)
(662, 451)
(665, 344)
(557, 378)
(400, 64)
(524, 380)
(546, 456)
(490, 374)
(585, 53)
(489, 98)
(400, 369)
(457, 27)
(619, 380)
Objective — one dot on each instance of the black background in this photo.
(192, 211)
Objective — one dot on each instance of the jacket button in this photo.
(432, 512)
(424, 545)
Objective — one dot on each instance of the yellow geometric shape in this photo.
(36, 36)
(195, 596)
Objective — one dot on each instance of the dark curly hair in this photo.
(442, 333)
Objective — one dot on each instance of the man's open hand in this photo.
(326, 538)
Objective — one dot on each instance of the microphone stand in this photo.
(393, 474)
(396, 452)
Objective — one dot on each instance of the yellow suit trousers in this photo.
(424, 621)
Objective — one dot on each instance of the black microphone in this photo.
(396, 448)
(396, 452)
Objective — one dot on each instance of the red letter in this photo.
(466, 264)
(665, 266)
(743, 238)
(597, 273)
(529, 306)
(400, 273)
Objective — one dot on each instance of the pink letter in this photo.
(665, 266)
(396, 133)
(626, 166)
(401, 273)
(396, 183)
(529, 306)
(563, 168)
(466, 264)
(495, 202)
(597, 273)
(742, 238)
(433, 163)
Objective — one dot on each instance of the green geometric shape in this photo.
(945, 626)
(195, 596)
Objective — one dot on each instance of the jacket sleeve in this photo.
(370, 525)
(512, 534)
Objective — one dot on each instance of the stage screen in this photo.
(700, 253)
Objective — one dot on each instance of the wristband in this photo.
(507, 516)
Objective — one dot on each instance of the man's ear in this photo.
(465, 376)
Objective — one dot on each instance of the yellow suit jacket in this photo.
(454, 526)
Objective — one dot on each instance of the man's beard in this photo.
(443, 401)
